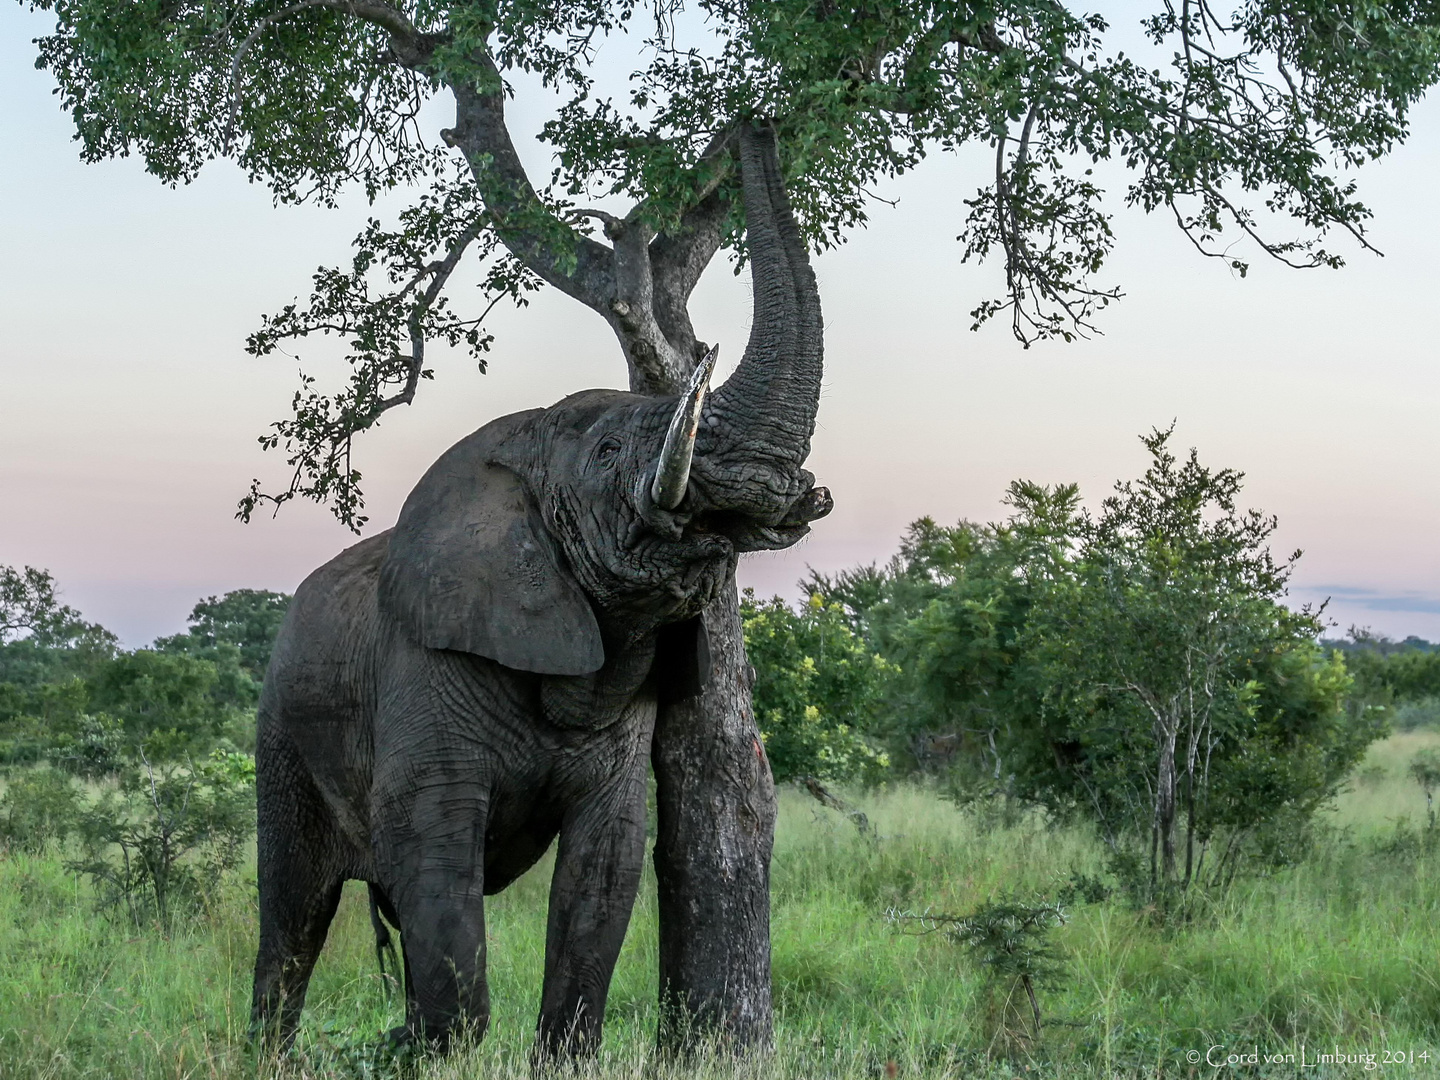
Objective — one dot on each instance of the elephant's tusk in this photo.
(672, 473)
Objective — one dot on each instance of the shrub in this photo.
(1009, 939)
(817, 689)
(39, 808)
(162, 837)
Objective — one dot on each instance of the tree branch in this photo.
(575, 264)
(439, 274)
(678, 259)
(411, 46)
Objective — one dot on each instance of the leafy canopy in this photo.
(1240, 122)
(311, 96)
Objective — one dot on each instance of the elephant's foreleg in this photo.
(597, 874)
(437, 881)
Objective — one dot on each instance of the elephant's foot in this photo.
(399, 1037)
(406, 1041)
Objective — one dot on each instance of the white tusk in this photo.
(672, 473)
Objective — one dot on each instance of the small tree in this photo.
(164, 836)
(1178, 697)
(1010, 941)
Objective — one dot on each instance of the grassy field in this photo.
(1339, 953)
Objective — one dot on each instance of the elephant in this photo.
(447, 698)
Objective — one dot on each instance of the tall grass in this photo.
(1339, 951)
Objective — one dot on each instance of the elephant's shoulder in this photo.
(357, 567)
(324, 656)
(337, 604)
(493, 444)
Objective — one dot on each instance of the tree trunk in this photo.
(716, 798)
(716, 802)
(1165, 800)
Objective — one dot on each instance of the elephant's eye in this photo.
(606, 451)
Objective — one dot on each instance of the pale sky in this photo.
(129, 411)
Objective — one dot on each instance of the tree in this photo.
(30, 611)
(1136, 668)
(948, 611)
(246, 619)
(47, 655)
(1173, 698)
(1251, 119)
(28, 603)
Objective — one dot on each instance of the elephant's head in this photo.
(548, 534)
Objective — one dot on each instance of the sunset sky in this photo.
(129, 411)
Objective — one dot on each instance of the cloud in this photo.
(1376, 601)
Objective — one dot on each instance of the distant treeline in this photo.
(71, 695)
(1402, 677)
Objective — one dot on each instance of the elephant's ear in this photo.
(682, 660)
(472, 568)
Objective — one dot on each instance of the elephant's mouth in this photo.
(748, 534)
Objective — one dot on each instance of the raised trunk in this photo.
(758, 425)
(716, 803)
(778, 380)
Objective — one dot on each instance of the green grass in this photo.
(1339, 951)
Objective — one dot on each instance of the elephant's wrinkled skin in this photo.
(448, 697)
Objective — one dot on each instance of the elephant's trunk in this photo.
(755, 435)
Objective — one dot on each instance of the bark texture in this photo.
(716, 802)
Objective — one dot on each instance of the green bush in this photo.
(1136, 666)
(818, 686)
(161, 838)
(38, 809)
(170, 705)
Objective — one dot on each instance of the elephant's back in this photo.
(318, 703)
(325, 651)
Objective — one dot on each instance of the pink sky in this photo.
(129, 411)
